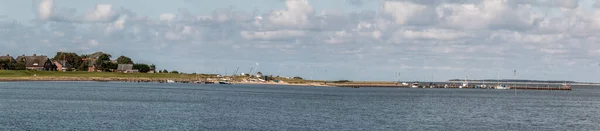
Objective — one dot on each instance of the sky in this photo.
(407, 40)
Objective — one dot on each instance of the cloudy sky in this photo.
(322, 39)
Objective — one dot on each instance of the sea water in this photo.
(156, 106)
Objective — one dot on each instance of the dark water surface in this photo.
(148, 106)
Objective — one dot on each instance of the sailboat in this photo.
(499, 86)
(465, 83)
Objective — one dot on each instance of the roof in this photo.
(63, 63)
(33, 61)
(91, 58)
(9, 58)
(95, 55)
(125, 67)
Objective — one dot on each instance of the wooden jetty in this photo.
(442, 86)
(541, 88)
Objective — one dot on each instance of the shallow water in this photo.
(153, 106)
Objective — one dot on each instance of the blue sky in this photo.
(322, 39)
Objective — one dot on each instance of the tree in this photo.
(298, 77)
(175, 72)
(124, 60)
(144, 68)
(20, 65)
(153, 67)
(83, 66)
(102, 61)
(4, 64)
(165, 71)
(72, 59)
(111, 66)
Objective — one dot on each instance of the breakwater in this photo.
(398, 85)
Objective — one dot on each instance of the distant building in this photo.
(37, 62)
(126, 68)
(62, 65)
(91, 59)
(259, 75)
(10, 59)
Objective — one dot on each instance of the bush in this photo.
(341, 81)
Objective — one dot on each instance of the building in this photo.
(62, 65)
(9, 60)
(126, 68)
(91, 61)
(259, 74)
(36, 62)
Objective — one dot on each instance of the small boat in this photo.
(565, 85)
(170, 81)
(415, 85)
(501, 87)
(224, 82)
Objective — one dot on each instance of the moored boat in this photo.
(501, 87)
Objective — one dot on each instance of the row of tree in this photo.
(99, 60)
(8, 65)
(102, 62)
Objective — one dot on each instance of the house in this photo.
(35, 62)
(91, 59)
(62, 65)
(126, 68)
(259, 74)
(8, 59)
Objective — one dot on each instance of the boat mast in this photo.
(498, 78)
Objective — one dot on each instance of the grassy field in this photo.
(8, 74)
(46, 74)
(26, 73)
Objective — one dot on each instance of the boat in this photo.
(404, 84)
(415, 85)
(465, 83)
(224, 82)
(564, 85)
(501, 87)
(170, 81)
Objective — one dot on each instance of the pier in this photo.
(449, 86)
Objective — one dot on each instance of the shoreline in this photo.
(137, 79)
(187, 80)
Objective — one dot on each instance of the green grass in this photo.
(26, 73)
(31, 73)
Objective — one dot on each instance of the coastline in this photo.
(138, 79)
(189, 80)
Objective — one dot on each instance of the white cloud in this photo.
(272, 35)
(296, 15)
(45, 8)
(102, 12)
(167, 17)
(553, 51)
(402, 11)
(435, 34)
(93, 43)
(442, 68)
(471, 15)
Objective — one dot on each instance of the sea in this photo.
(176, 106)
